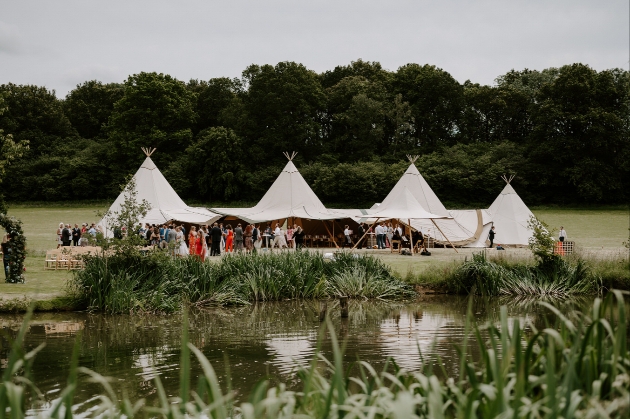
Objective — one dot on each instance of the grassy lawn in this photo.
(590, 229)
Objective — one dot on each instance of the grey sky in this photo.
(59, 44)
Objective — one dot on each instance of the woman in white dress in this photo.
(182, 249)
(390, 234)
(59, 231)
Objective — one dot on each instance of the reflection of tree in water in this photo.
(259, 340)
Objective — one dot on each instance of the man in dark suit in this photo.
(216, 235)
(66, 235)
(76, 235)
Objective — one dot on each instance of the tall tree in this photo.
(156, 110)
(213, 98)
(36, 115)
(89, 106)
(213, 163)
(9, 151)
(580, 138)
(370, 70)
(436, 101)
(357, 118)
(283, 109)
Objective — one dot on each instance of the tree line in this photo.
(562, 131)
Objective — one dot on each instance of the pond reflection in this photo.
(258, 341)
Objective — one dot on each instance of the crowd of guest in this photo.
(77, 236)
(220, 238)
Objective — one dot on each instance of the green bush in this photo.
(121, 283)
(549, 277)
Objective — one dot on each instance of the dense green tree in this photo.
(157, 111)
(436, 102)
(34, 114)
(215, 165)
(470, 174)
(357, 110)
(283, 110)
(580, 137)
(369, 70)
(89, 106)
(563, 131)
(9, 151)
(213, 98)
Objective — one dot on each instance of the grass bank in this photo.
(578, 367)
(499, 273)
(125, 283)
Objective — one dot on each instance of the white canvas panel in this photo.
(510, 217)
(289, 196)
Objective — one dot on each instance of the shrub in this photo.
(120, 283)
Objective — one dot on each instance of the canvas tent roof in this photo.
(449, 229)
(165, 204)
(401, 204)
(510, 216)
(289, 196)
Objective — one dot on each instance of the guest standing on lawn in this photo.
(249, 244)
(238, 237)
(229, 239)
(216, 234)
(491, 236)
(192, 241)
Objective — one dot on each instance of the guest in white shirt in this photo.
(562, 236)
(380, 234)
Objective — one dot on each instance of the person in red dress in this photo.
(229, 240)
(201, 244)
(193, 239)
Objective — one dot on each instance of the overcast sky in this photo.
(59, 44)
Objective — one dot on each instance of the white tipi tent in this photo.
(288, 197)
(165, 204)
(446, 229)
(510, 216)
(401, 204)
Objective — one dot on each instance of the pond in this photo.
(259, 341)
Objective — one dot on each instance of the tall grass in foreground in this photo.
(578, 367)
(158, 283)
(555, 277)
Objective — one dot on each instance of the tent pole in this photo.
(364, 234)
(331, 236)
(410, 236)
(449, 242)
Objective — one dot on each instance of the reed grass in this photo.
(159, 283)
(577, 367)
(481, 275)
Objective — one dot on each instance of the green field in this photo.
(600, 230)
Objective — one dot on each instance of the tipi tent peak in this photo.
(412, 158)
(165, 204)
(507, 179)
(288, 197)
(291, 156)
(147, 151)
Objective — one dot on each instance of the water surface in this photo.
(256, 342)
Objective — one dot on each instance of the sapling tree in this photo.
(124, 221)
(542, 242)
